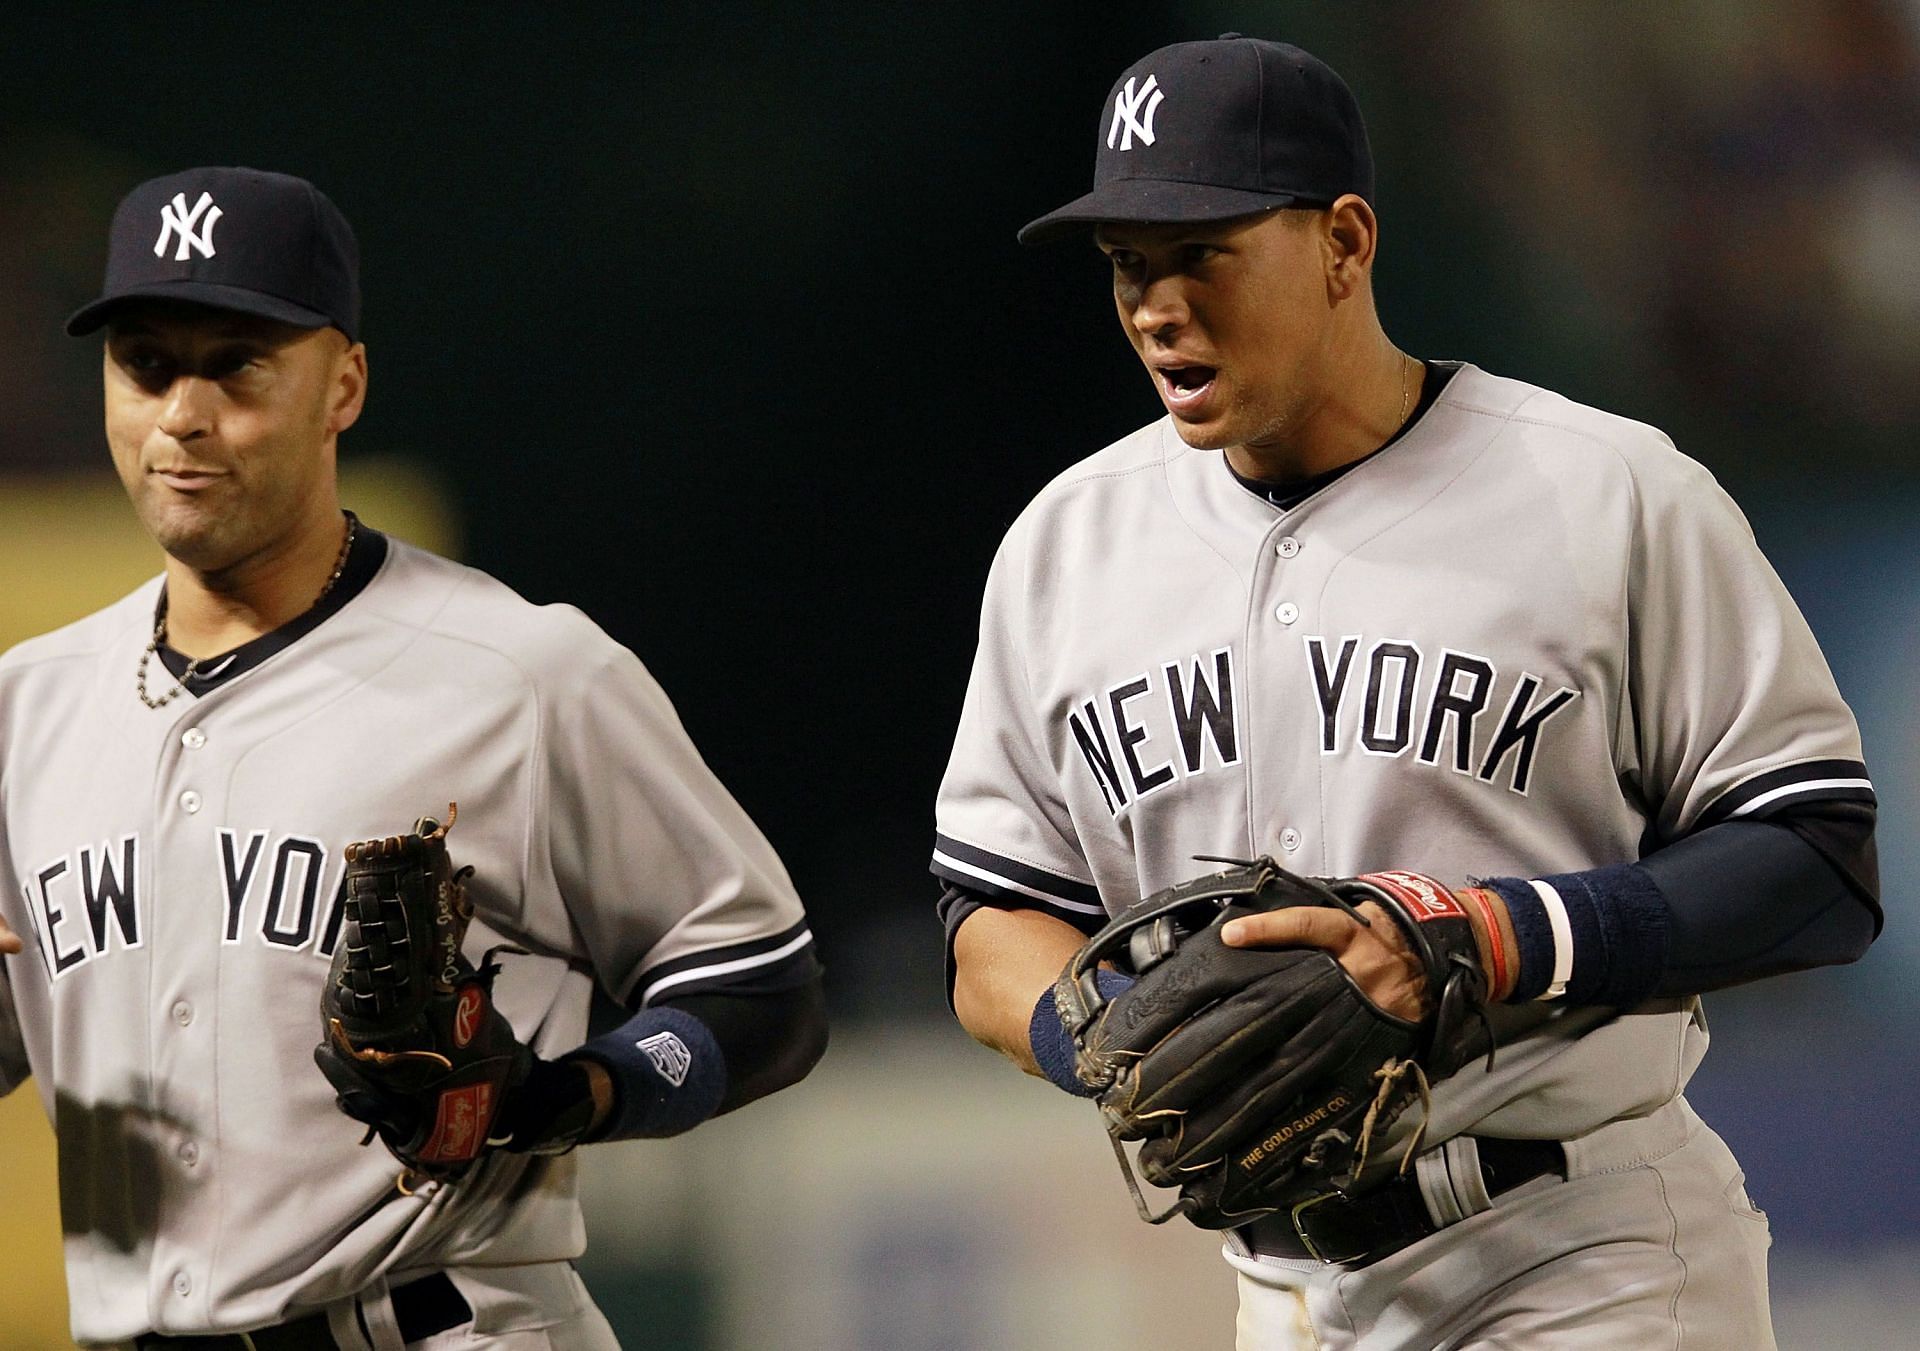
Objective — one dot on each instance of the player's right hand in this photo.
(9, 940)
(1377, 954)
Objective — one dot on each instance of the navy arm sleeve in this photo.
(1751, 899)
(767, 1039)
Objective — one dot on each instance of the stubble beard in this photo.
(1258, 427)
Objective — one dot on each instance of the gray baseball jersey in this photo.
(1529, 637)
(176, 874)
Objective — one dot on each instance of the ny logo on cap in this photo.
(1128, 121)
(176, 221)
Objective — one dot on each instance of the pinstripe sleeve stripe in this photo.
(1813, 788)
(1815, 780)
(775, 961)
(978, 870)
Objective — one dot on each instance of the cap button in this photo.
(1228, 37)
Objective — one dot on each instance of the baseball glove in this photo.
(1258, 1078)
(412, 1042)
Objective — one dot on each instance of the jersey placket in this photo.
(1284, 787)
(188, 803)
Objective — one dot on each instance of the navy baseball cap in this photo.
(236, 239)
(1205, 131)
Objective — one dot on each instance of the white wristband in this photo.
(1562, 937)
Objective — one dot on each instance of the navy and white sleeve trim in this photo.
(1776, 790)
(1020, 884)
(758, 966)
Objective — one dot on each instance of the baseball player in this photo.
(1359, 612)
(180, 775)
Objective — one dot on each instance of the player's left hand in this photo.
(1376, 954)
(1259, 1072)
(9, 940)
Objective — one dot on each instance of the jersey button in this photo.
(1287, 612)
(189, 802)
(193, 738)
(183, 1013)
(189, 1153)
(182, 1284)
(1290, 839)
(1287, 547)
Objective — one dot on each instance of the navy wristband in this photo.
(668, 1074)
(1047, 1035)
(1618, 923)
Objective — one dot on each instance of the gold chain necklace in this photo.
(193, 666)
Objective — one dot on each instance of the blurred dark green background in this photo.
(711, 320)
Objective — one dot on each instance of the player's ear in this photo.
(1351, 232)
(347, 394)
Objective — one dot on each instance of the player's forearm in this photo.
(1004, 960)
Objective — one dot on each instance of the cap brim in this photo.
(90, 317)
(1152, 201)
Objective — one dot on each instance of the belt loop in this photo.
(343, 1321)
(1436, 1188)
(1452, 1185)
(1469, 1177)
(376, 1311)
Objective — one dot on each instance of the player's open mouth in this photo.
(1184, 388)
